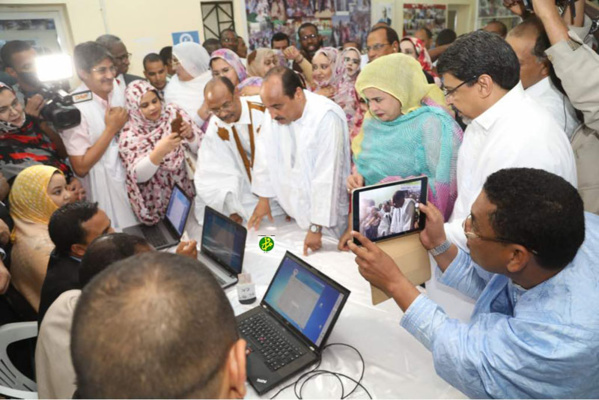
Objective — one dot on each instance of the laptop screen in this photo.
(306, 299)
(223, 240)
(178, 209)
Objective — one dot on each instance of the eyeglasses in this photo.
(376, 47)
(355, 60)
(104, 70)
(472, 235)
(306, 37)
(123, 57)
(225, 107)
(447, 92)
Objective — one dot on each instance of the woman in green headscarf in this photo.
(406, 131)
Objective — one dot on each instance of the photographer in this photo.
(19, 60)
(577, 65)
(23, 142)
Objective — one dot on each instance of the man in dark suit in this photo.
(121, 59)
(71, 228)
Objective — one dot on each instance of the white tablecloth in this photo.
(397, 365)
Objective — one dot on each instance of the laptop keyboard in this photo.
(276, 349)
(154, 235)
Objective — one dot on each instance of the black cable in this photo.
(314, 372)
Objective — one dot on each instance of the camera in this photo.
(59, 108)
(562, 4)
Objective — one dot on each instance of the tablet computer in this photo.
(388, 210)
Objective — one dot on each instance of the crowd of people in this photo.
(503, 123)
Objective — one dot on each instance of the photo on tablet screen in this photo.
(390, 209)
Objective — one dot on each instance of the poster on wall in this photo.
(338, 21)
(382, 12)
(431, 16)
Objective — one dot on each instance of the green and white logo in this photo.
(266, 244)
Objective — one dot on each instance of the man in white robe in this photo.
(93, 146)
(223, 177)
(302, 158)
(402, 217)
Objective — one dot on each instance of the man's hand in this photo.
(376, 266)
(34, 105)
(354, 181)
(188, 249)
(292, 53)
(236, 218)
(433, 234)
(4, 278)
(313, 241)
(115, 118)
(262, 209)
(342, 245)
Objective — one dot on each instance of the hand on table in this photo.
(236, 218)
(188, 249)
(262, 210)
(313, 241)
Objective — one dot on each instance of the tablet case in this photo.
(411, 257)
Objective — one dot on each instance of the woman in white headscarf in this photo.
(186, 89)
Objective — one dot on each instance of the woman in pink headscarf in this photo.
(224, 62)
(414, 47)
(154, 154)
(334, 78)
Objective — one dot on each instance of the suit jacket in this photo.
(62, 275)
(130, 78)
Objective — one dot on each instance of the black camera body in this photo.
(59, 108)
(559, 3)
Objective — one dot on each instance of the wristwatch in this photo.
(440, 249)
(315, 228)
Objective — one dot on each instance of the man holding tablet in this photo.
(535, 327)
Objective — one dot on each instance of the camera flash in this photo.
(54, 67)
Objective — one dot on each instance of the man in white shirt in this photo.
(481, 73)
(223, 177)
(302, 158)
(92, 146)
(529, 41)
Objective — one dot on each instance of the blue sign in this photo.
(189, 36)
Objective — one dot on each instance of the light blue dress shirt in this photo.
(540, 343)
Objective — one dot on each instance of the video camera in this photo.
(59, 108)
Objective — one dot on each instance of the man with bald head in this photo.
(224, 173)
(302, 158)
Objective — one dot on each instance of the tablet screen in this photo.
(390, 209)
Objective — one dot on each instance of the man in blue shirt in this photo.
(534, 273)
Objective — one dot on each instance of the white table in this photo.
(397, 365)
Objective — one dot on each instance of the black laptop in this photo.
(287, 331)
(223, 247)
(169, 230)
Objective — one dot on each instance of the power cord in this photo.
(314, 372)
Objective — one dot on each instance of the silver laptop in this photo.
(168, 231)
(223, 247)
